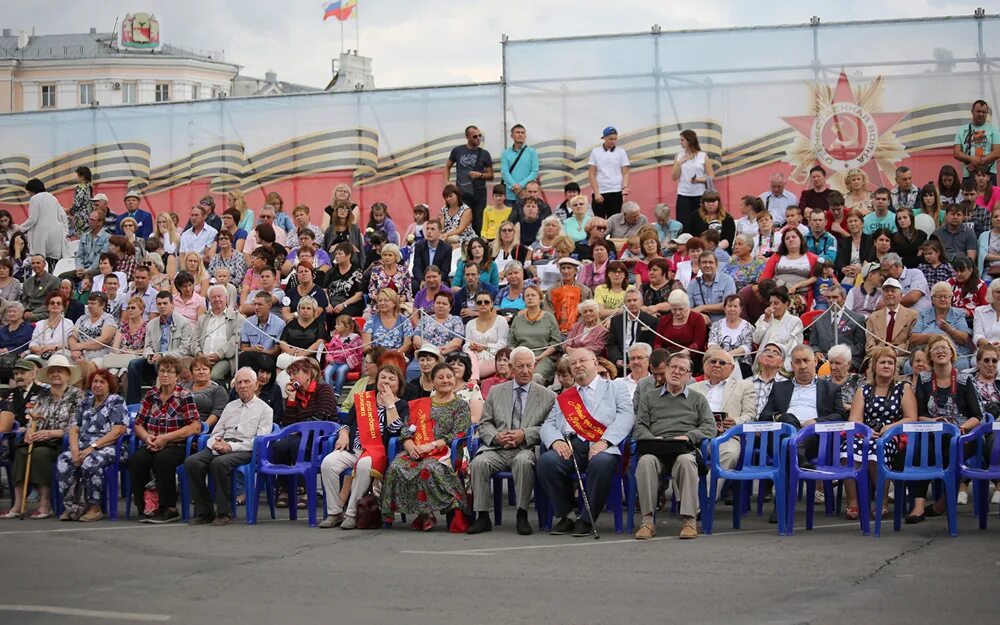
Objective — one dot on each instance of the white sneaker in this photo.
(892, 492)
(963, 499)
(996, 497)
(820, 497)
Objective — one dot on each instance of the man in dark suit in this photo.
(431, 251)
(850, 329)
(626, 329)
(804, 400)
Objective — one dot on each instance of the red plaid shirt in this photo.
(162, 417)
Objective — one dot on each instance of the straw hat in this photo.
(58, 360)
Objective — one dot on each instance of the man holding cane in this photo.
(582, 433)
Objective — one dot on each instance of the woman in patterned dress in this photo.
(744, 267)
(79, 212)
(99, 423)
(387, 327)
(390, 274)
(417, 481)
(457, 217)
(879, 405)
(733, 333)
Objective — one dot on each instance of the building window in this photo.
(195, 92)
(86, 93)
(162, 92)
(48, 96)
(129, 93)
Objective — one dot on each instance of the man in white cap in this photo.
(143, 219)
(563, 301)
(608, 173)
(99, 201)
(892, 324)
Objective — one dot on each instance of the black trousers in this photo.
(164, 465)
(612, 204)
(477, 202)
(204, 463)
(687, 204)
(555, 475)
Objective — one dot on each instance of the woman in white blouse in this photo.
(734, 334)
(484, 336)
(777, 325)
(691, 171)
(986, 318)
(51, 335)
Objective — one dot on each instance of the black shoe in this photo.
(164, 516)
(930, 512)
(142, 517)
(481, 524)
(563, 527)
(913, 519)
(201, 519)
(582, 529)
(523, 527)
(221, 520)
(774, 516)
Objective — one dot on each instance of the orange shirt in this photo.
(565, 300)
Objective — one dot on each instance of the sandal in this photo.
(241, 499)
(428, 524)
(302, 502)
(852, 513)
(38, 514)
(10, 514)
(282, 501)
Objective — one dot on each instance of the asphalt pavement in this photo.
(285, 572)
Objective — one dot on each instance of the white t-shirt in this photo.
(609, 165)
(690, 168)
(745, 226)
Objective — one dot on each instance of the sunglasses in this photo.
(600, 227)
(991, 361)
(476, 136)
(483, 302)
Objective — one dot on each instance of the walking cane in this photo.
(27, 471)
(583, 490)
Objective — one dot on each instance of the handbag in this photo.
(369, 516)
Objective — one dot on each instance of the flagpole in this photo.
(341, 36)
(357, 28)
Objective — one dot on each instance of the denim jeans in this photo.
(336, 371)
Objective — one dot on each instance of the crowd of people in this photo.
(568, 329)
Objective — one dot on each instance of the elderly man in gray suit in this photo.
(850, 329)
(508, 429)
(606, 409)
(217, 334)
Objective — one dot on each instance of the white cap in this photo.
(132, 193)
(99, 196)
(892, 283)
(569, 261)
(682, 239)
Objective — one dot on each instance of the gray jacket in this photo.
(499, 409)
(180, 338)
(207, 324)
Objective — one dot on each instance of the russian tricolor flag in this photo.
(340, 9)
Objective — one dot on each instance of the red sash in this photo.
(370, 432)
(423, 426)
(578, 417)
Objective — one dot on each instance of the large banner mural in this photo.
(868, 96)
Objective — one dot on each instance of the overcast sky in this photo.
(422, 42)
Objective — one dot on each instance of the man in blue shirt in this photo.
(143, 219)
(818, 240)
(708, 291)
(518, 164)
(259, 336)
(93, 243)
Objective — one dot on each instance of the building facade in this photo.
(48, 72)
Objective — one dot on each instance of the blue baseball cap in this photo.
(610, 130)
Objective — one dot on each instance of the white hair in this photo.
(587, 303)
(523, 351)
(840, 352)
(245, 371)
(216, 287)
(678, 298)
(631, 207)
(645, 348)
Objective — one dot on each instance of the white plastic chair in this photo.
(63, 265)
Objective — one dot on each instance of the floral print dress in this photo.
(80, 211)
(452, 222)
(399, 282)
(94, 422)
(428, 485)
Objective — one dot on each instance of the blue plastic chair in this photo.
(631, 486)
(307, 469)
(457, 445)
(768, 464)
(926, 435)
(981, 470)
(9, 439)
(183, 493)
(616, 496)
(829, 467)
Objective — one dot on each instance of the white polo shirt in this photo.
(609, 165)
